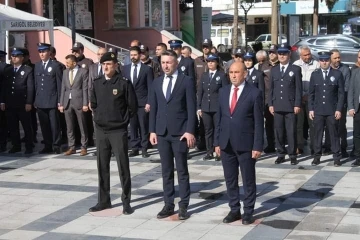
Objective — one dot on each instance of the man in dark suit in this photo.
(353, 100)
(284, 103)
(48, 76)
(239, 140)
(172, 127)
(18, 97)
(74, 102)
(3, 127)
(326, 101)
(185, 65)
(141, 76)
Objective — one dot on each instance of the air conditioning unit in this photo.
(16, 40)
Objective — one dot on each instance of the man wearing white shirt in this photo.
(74, 103)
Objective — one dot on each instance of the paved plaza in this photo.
(48, 197)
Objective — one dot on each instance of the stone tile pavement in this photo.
(48, 197)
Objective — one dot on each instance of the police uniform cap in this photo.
(175, 43)
(283, 48)
(249, 55)
(43, 46)
(144, 48)
(2, 53)
(109, 56)
(238, 52)
(324, 55)
(77, 46)
(212, 57)
(273, 48)
(207, 42)
(17, 51)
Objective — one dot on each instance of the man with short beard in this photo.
(160, 48)
(145, 59)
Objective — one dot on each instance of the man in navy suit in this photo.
(172, 128)
(239, 139)
(48, 76)
(284, 103)
(141, 77)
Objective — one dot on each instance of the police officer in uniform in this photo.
(326, 101)
(285, 102)
(207, 100)
(186, 65)
(3, 127)
(48, 76)
(113, 101)
(145, 59)
(18, 98)
(254, 76)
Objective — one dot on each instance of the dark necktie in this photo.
(101, 71)
(211, 76)
(324, 75)
(282, 71)
(168, 90)
(135, 74)
(15, 70)
(44, 65)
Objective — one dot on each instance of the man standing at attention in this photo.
(239, 140)
(172, 127)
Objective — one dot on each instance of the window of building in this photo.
(158, 13)
(213, 33)
(121, 18)
(223, 33)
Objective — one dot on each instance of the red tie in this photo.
(233, 100)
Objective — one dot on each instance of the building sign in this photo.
(83, 19)
(307, 7)
(28, 25)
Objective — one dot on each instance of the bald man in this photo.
(240, 141)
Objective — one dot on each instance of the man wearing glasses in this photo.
(308, 66)
(285, 103)
(326, 101)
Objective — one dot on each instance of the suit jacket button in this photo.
(324, 90)
(281, 85)
(12, 92)
(280, 91)
(323, 102)
(280, 97)
(323, 96)
(14, 82)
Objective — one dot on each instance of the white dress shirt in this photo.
(99, 68)
(323, 72)
(212, 72)
(241, 88)
(166, 82)
(75, 70)
(132, 70)
(286, 66)
(46, 63)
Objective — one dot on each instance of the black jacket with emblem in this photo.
(113, 103)
(256, 78)
(84, 62)
(208, 91)
(18, 87)
(286, 91)
(326, 96)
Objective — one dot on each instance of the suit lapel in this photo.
(178, 82)
(242, 97)
(76, 77)
(141, 72)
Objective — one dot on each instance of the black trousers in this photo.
(332, 126)
(209, 119)
(139, 130)
(3, 129)
(50, 126)
(301, 118)
(200, 134)
(356, 134)
(342, 131)
(231, 161)
(285, 125)
(34, 121)
(171, 147)
(116, 142)
(14, 115)
(269, 127)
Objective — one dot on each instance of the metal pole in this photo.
(279, 21)
(51, 9)
(73, 31)
(7, 36)
(245, 23)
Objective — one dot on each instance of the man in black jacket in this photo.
(113, 102)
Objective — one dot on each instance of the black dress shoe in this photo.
(145, 154)
(134, 153)
(46, 150)
(316, 161)
(356, 163)
(217, 158)
(279, 160)
(127, 209)
(232, 217)
(15, 150)
(99, 207)
(247, 219)
(28, 151)
(165, 212)
(57, 150)
(269, 149)
(208, 157)
(337, 163)
(183, 215)
(293, 161)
